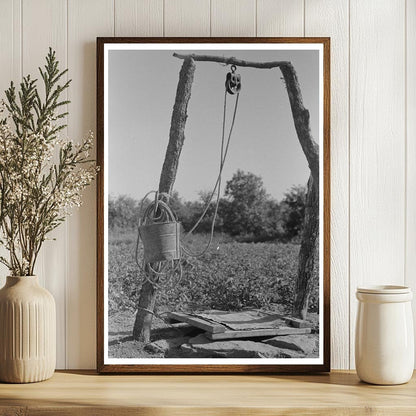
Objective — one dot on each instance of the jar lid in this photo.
(384, 289)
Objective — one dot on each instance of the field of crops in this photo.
(230, 276)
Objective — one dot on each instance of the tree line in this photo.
(246, 211)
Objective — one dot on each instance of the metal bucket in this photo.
(161, 241)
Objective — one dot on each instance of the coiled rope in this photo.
(157, 211)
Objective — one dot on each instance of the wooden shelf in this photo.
(86, 393)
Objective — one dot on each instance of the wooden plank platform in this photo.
(298, 323)
(210, 327)
(222, 325)
(243, 320)
(252, 333)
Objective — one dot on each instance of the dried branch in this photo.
(232, 61)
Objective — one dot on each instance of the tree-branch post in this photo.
(147, 299)
(310, 233)
(301, 119)
(307, 251)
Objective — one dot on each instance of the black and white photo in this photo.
(212, 201)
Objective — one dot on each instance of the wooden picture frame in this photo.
(317, 204)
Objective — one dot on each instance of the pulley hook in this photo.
(233, 81)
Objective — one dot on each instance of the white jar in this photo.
(384, 340)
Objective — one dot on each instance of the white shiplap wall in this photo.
(373, 131)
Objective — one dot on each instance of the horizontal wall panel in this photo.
(187, 18)
(36, 40)
(373, 132)
(138, 17)
(233, 18)
(330, 18)
(411, 148)
(280, 18)
(86, 20)
(377, 147)
(10, 44)
(10, 66)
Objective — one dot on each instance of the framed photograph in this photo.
(213, 205)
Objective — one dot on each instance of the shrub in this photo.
(231, 276)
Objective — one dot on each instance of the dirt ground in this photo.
(122, 345)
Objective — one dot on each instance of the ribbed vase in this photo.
(27, 331)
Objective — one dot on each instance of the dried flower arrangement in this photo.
(42, 176)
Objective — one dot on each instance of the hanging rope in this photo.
(217, 186)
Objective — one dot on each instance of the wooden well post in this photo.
(146, 305)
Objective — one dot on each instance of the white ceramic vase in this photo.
(27, 331)
(384, 341)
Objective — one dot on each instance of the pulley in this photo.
(233, 81)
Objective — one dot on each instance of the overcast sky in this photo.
(142, 87)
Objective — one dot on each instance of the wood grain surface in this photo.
(373, 46)
(410, 263)
(51, 260)
(85, 18)
(377, 140)
(330, 18)
(85, 393)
